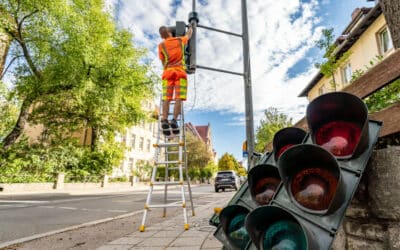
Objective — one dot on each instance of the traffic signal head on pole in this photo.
(339, 123)
(263, 181)
(179, 29)
(232, 220)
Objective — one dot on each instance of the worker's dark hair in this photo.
(163, 32)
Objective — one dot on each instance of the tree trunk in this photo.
(95, 135)
(5, 41)
(391, 11)
(19, 126)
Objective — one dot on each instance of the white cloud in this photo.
(281, 33)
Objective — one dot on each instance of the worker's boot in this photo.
(165, 127)
(174, 126)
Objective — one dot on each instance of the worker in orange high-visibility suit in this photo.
(174, 77)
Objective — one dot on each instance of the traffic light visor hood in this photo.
(286, 138)
(272, 227)
(264, 180)
(312, 178)
(338, 122)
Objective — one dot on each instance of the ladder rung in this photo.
(172, 152)
(168, 162)
(160, 183)
(168, 144)
(165, 205)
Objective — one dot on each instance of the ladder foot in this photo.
(186, 226)
(193, 214)
(164, 215)
(141, 228)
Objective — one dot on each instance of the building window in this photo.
(385, 41)
(141, 142)
(148, 145)
(321, 90)
(133, 141)
(346, 74)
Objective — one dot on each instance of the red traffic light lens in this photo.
(314, 188)
(338, 137)
(284, 148)
(265, 189)
(284, 235)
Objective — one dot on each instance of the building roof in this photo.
(362, 18)
(203, 132)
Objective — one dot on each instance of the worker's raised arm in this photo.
(190, 32)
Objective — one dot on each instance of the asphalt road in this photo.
(26, 215)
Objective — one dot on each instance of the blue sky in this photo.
(282, 52)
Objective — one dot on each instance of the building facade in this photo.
(367, 41)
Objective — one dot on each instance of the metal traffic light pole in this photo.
(246, 74)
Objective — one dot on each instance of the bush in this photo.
(119, 179)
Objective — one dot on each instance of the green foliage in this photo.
(25, 162)
(228, 162)
(8, 110)
(242, 171)
(332, 62)
(383, 98)
(119, 179)
(198, 154)
(272, 123)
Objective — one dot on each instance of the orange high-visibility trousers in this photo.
(174, 84)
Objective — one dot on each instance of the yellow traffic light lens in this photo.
(265, 189)
(314, 188)
(284, 235)
(339, 137)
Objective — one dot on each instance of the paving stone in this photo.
(115, 247)
(156, 242)
(212, 243)
(144, 234)
(126, 240)
(183, 248)
(194, 233)
(189, 242)
(147, 248)
(167, 234)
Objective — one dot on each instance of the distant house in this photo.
(368, 40)
(203, 132)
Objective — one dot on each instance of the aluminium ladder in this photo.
(173, 149)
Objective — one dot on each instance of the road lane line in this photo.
(87, 224)
(22, 201)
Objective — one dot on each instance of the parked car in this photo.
(226, 179)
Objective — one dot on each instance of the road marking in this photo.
(47, 206)
(22, 201)
(69, 208)
(117, 211)
(14, 205)
(37, 236)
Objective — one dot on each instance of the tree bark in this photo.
(5, 41)
(391, 11)
(95, 135)
(19, 126)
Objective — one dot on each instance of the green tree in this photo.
(77, 70)
(228, 162)
(198, 154)
(332, 60)
(272, 123)
(8, 110)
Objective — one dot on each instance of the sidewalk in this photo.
(171, 235)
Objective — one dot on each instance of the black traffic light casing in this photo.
(331, 159)
(190, 50)
(232, 220)
(179, 29)
(263, 181)
(286, 138)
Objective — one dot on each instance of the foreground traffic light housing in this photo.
(233, 224)
(319, 177)
(286, 138)
(263, 180)
(271, 227)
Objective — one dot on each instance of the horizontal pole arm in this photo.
(219, 70)
(218, 30)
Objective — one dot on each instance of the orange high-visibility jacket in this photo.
(171, 52)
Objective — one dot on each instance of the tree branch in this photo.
(23, 19)
(8, 66)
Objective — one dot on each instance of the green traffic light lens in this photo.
(314, 188)
(265, 189)
(237, 232)
(284, 235)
